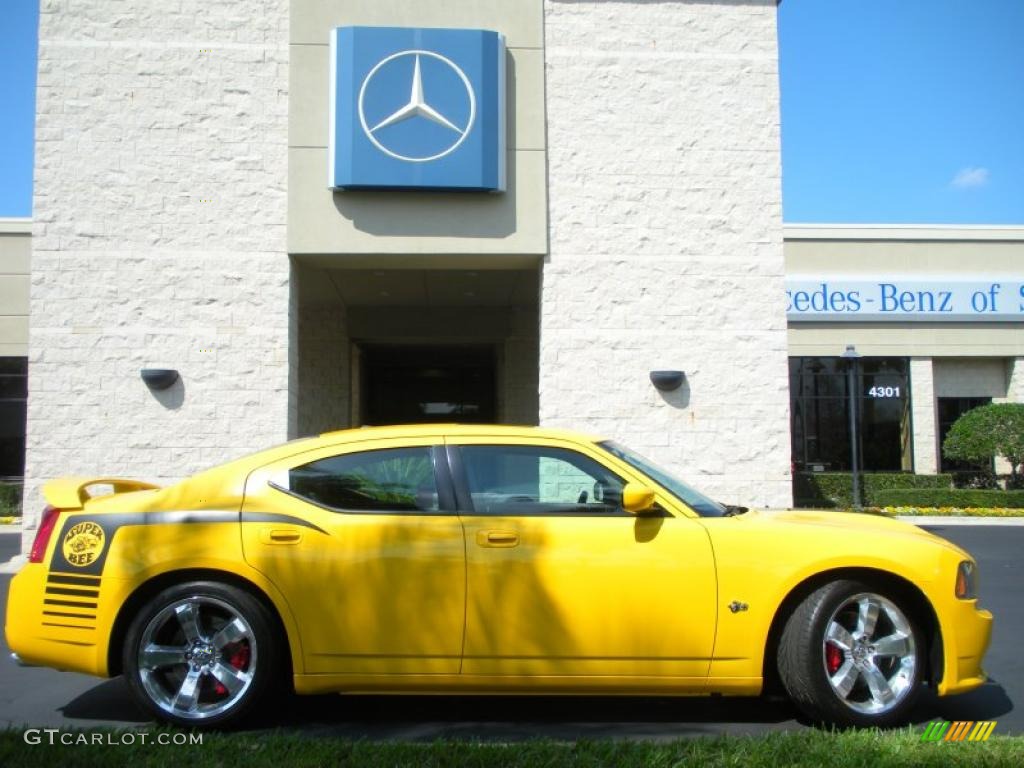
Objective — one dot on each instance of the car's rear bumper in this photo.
(52, 634)
(966, 631)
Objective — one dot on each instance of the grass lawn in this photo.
(863, 749)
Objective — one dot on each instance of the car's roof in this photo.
(454, 430)
(298, 446)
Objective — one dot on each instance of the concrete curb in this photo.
(13, 565)
(960, 520)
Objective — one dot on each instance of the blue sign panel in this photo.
(417, 109)
(893, 298)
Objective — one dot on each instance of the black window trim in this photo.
(442, 480)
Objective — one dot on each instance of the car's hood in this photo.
(854, 522)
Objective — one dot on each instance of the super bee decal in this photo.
(83, 544)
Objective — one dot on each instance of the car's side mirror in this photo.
(637, 498)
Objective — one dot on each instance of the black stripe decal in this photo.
(69, 615)
(111, 523)
(74, 592)
(274, 517)
(74, 581)
(69, 602)
(67, 626)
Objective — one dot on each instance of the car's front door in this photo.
(370, 560)
(561, 581)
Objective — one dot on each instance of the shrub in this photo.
(10, 499)
(983, 433)
(835, 489)
(953, 497)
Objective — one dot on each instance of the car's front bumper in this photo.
(966, 632)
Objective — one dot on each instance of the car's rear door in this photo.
(562, 581)
(367, 552)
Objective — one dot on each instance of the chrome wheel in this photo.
(197, 658)
(870, 656)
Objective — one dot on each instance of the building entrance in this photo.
(406, 384)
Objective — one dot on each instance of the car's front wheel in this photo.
(852, 655)
(201, 654)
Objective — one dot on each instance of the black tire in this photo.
(219, 677)
(880, 671)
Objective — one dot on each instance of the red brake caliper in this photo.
(239, 660)
(833, 657)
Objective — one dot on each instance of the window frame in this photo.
(442, 483)
(464, 499)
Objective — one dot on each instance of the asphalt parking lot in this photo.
(47, 698)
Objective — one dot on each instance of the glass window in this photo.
(819, 409)
(396, 480)
(951, 409)
(13, 397)
(694, 499)
(536, 480)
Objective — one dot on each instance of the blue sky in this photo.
(893, 111)
(902, 111)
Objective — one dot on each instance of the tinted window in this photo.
(534, 480)
(398, 480)
(820, 402)
(13, 394)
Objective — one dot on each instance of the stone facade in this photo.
(666, 237)
(923, 416)
(158, 238)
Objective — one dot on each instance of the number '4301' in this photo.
(884, 392)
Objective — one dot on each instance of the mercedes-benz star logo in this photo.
(417, 107)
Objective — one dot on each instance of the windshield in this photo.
(696, 500)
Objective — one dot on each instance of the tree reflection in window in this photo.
(399, 480)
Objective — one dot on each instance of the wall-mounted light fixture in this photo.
(666, 381)
(159, 378)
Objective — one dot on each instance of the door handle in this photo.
(497, 538)
(280, 536)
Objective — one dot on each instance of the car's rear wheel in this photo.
(853, 655)
(201, 654)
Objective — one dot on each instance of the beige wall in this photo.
(15, 253)
(362, 222)
(851, 250)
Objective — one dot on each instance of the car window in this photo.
(536, 480)
(395, 480)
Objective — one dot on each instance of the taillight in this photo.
(43, 534)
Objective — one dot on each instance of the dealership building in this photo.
(326, 214)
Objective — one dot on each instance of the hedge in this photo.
(835, 489)
(952, 497)
(916, 511)
(10, 498)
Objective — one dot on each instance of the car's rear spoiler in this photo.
(72, 492)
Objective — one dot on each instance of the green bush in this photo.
(10, 499)
(988, 431)
(832, 490)
(954, 497)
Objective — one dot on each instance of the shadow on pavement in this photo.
(989, 702)
(520, 718)
(110, 700)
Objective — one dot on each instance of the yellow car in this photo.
(479, 559)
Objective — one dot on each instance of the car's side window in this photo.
(538, 480)
(391, 480)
